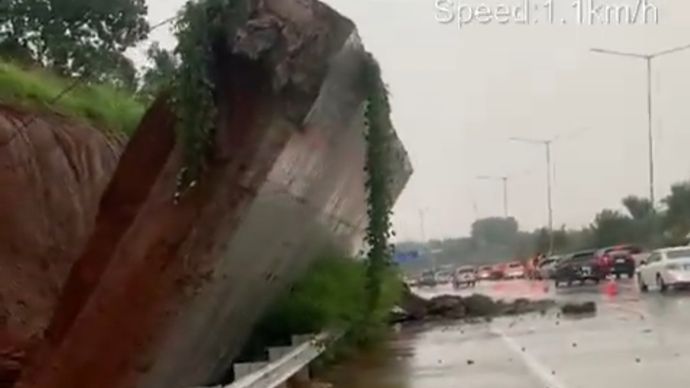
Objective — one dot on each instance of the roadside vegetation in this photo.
(103, 106)
(331, 295)
(68, 57)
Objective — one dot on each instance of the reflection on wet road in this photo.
(634, 341)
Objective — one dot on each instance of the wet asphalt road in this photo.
(634, 341)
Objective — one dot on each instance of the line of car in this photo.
(661, 269)
(596, 265)
(468, 276)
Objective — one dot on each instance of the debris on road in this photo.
(469, 308)
(579, 308)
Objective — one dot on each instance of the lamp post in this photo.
(549, 203)
(648, 58)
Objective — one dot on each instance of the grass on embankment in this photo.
(102, 106)
(331, 294)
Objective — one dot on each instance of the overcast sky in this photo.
(459, 94)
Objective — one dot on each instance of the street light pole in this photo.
(549, 191)
(650, 130)
(547, 144)
(504, 180)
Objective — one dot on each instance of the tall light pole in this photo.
(650, 132)
(549, 202)
(503, 179)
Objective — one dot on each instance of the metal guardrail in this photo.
(284, 362)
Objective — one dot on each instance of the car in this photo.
(665, 268)
(465, 276)
(603, 255)
(444, 276)
(515, 270)
(621, 262)
(547, 267)
(428, 279)
(579, 267)
(484, 272)
(498, 272)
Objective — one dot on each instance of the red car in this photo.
(498, 271)
(618, 260)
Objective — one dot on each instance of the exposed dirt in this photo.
(128, 189)
(53, 172)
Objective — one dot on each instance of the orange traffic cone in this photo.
(611, 288)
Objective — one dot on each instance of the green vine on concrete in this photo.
(199, 28)
(378, 171)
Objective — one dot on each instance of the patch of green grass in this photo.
(331, 294)
(102, 106)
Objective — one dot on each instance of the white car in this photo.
(465, 276)
(547, 267)
(515, 270)
(668, 267)
(444, 277)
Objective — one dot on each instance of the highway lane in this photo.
(633, 341)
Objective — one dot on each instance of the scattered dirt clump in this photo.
(579, 308)
(468, 308)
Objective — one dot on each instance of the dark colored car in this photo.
(428, 279)
(621, 263)
(605, 258)
(579, 267)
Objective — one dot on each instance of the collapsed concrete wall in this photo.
(165, 294)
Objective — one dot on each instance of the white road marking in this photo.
(535, 366)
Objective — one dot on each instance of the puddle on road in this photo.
(399, 363)
(385, 367)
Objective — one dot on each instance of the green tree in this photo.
(542, 240)
(495, 230)
(159, 73)
(74, 37)
(677, 219)
(645, 219)
(561, 240)
(611, 227)
(639, 208)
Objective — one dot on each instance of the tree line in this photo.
(494, 240)
(85, 39)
